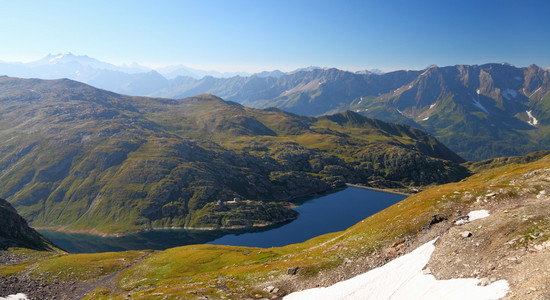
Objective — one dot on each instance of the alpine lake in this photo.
(328, 213)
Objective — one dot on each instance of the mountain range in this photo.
(76, 157)
(480, 112)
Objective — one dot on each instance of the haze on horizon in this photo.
(253, 36)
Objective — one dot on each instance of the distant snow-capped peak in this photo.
(65, 58)
(58, 57)
(86, 61)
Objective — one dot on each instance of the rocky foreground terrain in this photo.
(512, 243)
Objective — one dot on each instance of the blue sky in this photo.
(254, 35)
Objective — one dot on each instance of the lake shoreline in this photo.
(317, 216)
(122, 234)
(94, 232)
(378, 190)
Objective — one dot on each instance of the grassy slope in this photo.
(373, 145)
(479, 166)
(233, 271)
(78, 158)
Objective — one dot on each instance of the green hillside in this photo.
(79, 158)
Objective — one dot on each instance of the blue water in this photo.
(329, 213)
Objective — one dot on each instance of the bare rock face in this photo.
(14, 230)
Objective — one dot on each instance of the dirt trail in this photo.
(109, 282)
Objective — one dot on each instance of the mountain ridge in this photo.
(476, 110)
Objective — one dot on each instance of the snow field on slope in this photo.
(403, 278)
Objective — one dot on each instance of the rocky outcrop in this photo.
(15, 232)
(236, 214)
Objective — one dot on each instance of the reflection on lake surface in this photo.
(328, 213)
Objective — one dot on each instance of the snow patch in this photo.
(478, 91)
(18, 296)
(425, 119)
(532, 120)
(60, 56)
(403, 278)
(398, 111)
(474, 215)
(509, 94)
(480, 106)
(432, 106)
(478, 214)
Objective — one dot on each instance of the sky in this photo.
(257, 35)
